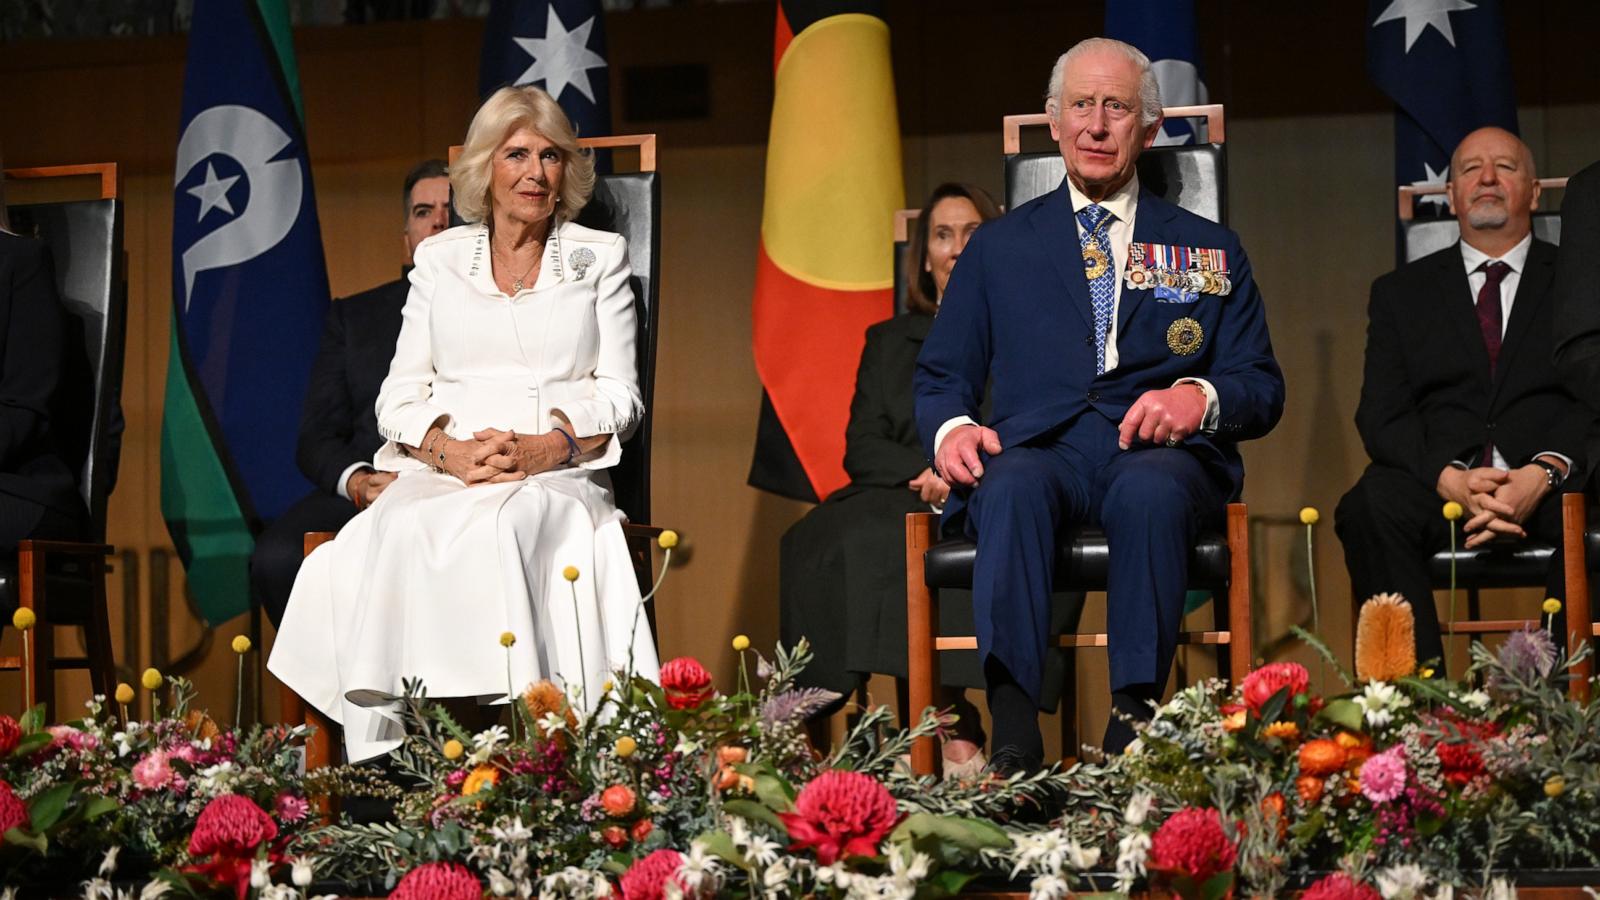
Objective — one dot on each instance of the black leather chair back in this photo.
(630, 204)
(1194, 177)
(85, 238)
(1425, 236)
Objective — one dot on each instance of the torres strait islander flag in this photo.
(249, 292)
(825, 267)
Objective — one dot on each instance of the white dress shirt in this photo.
(1517, 259)
(1123, 204)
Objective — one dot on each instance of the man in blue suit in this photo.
(1127, 354)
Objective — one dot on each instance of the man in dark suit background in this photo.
(1128, 352)
(1576, 295)
(339, 428)
(1460, 400)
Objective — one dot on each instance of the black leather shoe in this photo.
(1011, 760)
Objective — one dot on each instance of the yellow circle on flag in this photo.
(833, 157)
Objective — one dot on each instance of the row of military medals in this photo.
(1177, 270)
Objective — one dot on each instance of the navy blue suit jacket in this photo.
(1017, 312)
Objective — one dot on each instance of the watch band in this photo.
(1553, 476)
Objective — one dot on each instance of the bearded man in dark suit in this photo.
(1128, 351)
(339, 428)
(1460, 401)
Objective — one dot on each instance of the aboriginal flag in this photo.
(825, 270)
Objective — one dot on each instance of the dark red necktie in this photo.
(1489, 323)
(1489, 309)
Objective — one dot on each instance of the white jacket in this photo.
(469, 357)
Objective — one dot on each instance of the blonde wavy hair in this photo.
(507, 110)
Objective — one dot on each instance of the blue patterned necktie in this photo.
(1102, 287)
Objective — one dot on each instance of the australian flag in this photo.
(1445, 64)
(558, 45)
(1165, 31)
(249, 291)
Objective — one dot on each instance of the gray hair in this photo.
(504, 112)
(1149, 89)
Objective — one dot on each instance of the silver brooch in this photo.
(580, 260)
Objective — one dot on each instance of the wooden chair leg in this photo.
(37, 642)
(1240, 637)
(1580, 630)
(292, 709)
(922, 629)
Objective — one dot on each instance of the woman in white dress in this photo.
(512, 387)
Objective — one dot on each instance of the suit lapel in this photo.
(1149, 223)
(1532, 286)
(1460, 309)
(1057, 229)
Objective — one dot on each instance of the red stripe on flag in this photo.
(781, 37)
(808, 342)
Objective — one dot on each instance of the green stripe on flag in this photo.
(275, 15)
(197, 501)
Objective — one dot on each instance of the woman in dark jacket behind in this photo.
(842, 567)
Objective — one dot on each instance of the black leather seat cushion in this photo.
(67, 581)
(1082, 559)
(1523, 564)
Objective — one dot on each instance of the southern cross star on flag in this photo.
(1446, 65)
(558, 45)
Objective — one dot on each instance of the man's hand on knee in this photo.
(1163, 417)
(957, 458)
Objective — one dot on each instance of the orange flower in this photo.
(726, 779)
(641, 830)
(615, 835)
(730, 754)
(1273, 809)
(1350, 740)
(1287, 731)
(617, 800)
(200, 725)
(1234, 721)
(1321, 757)
(481, 777)
(1309, 787)
(544, 697)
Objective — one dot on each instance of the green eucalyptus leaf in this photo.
(749, 809)
(1346, 713)
(720, 845)
(47, 807)
(19, 837)
(773, 791)
(969, 834)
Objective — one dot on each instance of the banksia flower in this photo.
(542, 698)
(1385, 639)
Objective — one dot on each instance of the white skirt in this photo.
(424, 583)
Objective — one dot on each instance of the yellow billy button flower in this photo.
(1555, 786)
(151, 679)
(241, 644)
(453, 749)
(507, 639)
(625, 746)
(570, 573)
(1425, 671)
(23, 618)
(1551, 606)
(667, 540)
(124, 693)
(1453, 510)
(606, 688)
(1309, 515)
(741, 643)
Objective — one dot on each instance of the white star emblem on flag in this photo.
(1420, 15)
(213, 192)
(1432, 179)
(561, 57)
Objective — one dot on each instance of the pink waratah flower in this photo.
(13, 812)
(686, 683)
(291, 808)
(71, 738)
(647, 878)
(185, 752)
(438, 881)
(1259, 686)
(1192, 843)
(840, 814)
(1340, 886)
(232, 825)
(1383, 776)
(154, 771)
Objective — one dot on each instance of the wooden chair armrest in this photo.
(74, 548)
(645, 531)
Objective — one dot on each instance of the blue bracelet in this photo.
(572, 445)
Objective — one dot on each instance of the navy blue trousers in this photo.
(1151, 501)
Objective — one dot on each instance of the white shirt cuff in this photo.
(1561, 456)
(946, 428)
(1208, 422)
(344, 478)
